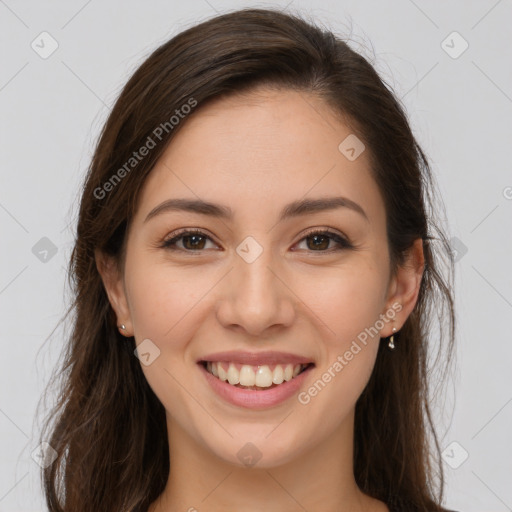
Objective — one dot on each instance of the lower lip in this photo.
(253, 398)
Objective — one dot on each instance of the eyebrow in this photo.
(294, 209)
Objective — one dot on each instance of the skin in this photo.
(255, 153)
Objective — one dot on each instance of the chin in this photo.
(255, 448)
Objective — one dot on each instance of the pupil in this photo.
(196, 239)
(316, 237)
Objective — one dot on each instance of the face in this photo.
(273, 284)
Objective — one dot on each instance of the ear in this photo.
(114, 286)
(404, 287)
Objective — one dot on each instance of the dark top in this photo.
(400, 506)
(404, 508)
(396, 506)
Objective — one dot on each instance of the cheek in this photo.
(347, 300)
(330, 399)
(165, 304)
(161, 300)
(348, 303)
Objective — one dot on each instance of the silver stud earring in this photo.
(122, 327)
(391, 343)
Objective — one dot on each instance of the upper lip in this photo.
(256, 358)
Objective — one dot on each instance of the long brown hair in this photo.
(108, 427)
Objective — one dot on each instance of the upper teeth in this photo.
(261, 375)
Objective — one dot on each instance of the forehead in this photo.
(260, 150)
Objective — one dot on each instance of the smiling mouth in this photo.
(256, 377)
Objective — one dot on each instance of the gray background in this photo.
(460, 108)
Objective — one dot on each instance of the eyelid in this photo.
(323, 230)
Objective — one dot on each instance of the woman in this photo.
(256, 278)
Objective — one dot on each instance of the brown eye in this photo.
(192, 240)
(318, 241)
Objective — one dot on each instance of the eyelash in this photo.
(170, 244)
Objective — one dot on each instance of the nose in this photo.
(255, 295)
